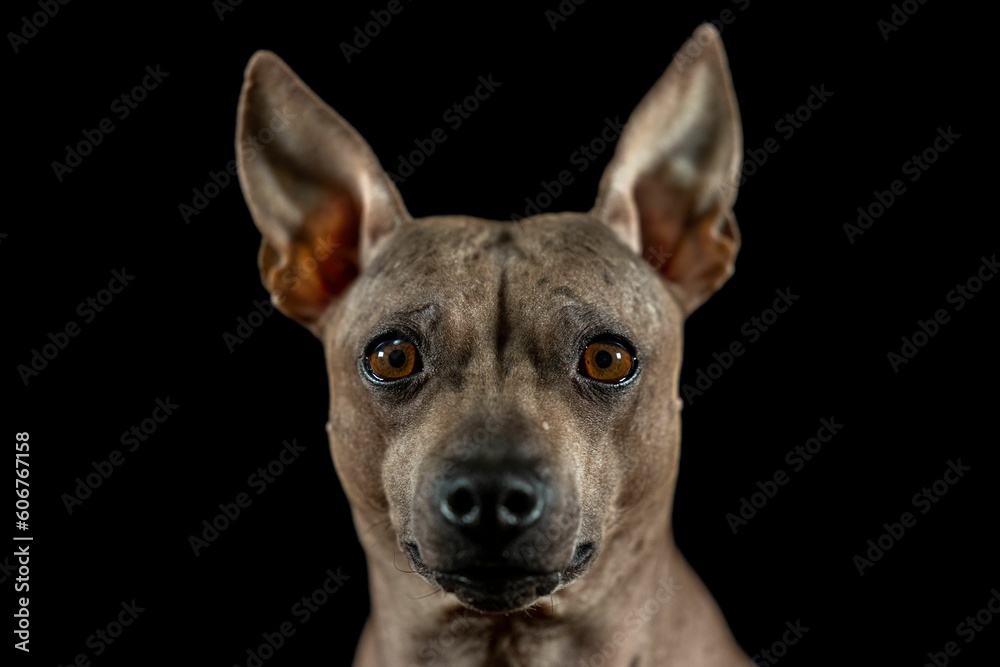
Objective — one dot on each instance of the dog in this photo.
(504, 416)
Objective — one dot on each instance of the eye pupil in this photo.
(397, 358)
(603, 359)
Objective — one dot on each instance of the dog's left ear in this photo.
(669, 190)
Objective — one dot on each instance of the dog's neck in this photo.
(628, 610)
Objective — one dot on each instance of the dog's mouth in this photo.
(497, 589)
(502, 588)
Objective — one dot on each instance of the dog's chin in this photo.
(499, 589)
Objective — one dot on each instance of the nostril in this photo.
(518, 503)
(460, 506)
(461, 501)
(519, 507)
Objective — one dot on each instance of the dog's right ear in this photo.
(314, 187)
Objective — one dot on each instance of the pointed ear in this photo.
(670, 188)
(314, 188)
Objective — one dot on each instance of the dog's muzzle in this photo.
(497, 534)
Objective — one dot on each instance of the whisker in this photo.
(423, 597)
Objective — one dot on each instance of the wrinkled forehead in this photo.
(567, 266)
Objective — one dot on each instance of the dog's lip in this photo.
(490, 574)
(501, 588)
(583, 557)
(497, 589)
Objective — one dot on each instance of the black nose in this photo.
(486, 502)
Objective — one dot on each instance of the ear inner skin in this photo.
(706, 257)
(696, 250)
(321, 261)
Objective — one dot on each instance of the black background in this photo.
(163, 335)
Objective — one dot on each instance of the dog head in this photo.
(505, 394)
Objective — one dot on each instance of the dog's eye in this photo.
(393, 359)
(607, 361)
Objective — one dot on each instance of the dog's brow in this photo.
(580, 310)
(415, 314)
(580, 316)
(416, 311)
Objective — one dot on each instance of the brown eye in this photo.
(393, 359)
(607, 361)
